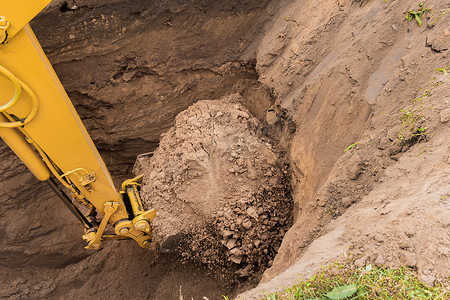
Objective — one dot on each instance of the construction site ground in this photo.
(285, 135)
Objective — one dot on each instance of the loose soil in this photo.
(220, 187)
(314, 77)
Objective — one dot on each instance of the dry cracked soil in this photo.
(296, 132)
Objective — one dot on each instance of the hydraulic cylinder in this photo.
(17, 142)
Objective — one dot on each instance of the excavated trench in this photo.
(129, 69)
(304, 93)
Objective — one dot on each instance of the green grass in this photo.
(351, 146)
(413, 117)
(417, 14)
(411, 125)
(435, 17)
(444, 70)
(423, 11)
(342, 281)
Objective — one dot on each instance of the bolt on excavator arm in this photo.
(39, 123)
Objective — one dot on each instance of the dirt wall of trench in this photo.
(351, 73)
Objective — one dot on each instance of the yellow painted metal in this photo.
(17, 89)
(4, 26)
(130, 187)
(47, 120)
(18, 86)
(20, 13)
(142, 218)
(125, 228)
(16, 141)
(56, 128)
(110, 209)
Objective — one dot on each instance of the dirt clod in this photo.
(218, 183)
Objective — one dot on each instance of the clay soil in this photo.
(220, 188)
(318, 128)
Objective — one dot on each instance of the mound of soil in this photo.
(220, 186)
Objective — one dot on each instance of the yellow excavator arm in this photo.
(39, 123)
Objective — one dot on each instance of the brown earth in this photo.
(129, 67)
(340, 72)
(219, 186)
(362, 74)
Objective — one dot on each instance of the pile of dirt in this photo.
(220, 186)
